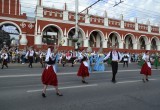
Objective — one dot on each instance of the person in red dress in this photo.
(83, 69)
(146, 67)
(49, 76)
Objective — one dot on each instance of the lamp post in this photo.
(75, 37)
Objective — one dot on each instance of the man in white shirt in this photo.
(4, 58)
(125, 59)
(115, 57)
(30, 56)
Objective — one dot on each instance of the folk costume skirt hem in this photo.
(83, 71)
(146, 70)
(49, 76)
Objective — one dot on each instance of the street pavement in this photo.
(21, 87)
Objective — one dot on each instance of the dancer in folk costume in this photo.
(90, 59)
(49, 76)
(42, 58)
(141, 61)
(116, 57)
(125, 59)
(156, 61)
(4, 58)
(63, 59)
(96, 58)
(99, 66)
(30, 56)
(83, 69)
(57, 57)
(146, 67)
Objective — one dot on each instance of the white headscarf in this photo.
(48, 54)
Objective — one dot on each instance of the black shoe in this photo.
(114, 81)
(147, 80)
(84, 82)
(143, 80)
(43, 95)
(59, 94)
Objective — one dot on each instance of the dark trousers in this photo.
(114, 70)
(30, 61)
(125, 63)
(4, 63)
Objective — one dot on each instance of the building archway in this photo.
(51, 34)
(154, 42)
(71, 34)
(129, 40)
(113, 39)
(96, 38)
(143, 41)
(9, 34)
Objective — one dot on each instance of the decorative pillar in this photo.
(149, 26)
(105, 43)
(105, 19)
(121, 45)
(136, 24)
(135, 46)
(65, 38)
(87, 18)
(39, 2)
(23, 39)
(65, 13)
(158, 47)
(2, 6)
(122, 21)
(38, 38)
(39, 9)
(148, 46)
(86, 40)
(9, 7)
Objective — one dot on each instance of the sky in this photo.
(143, 10)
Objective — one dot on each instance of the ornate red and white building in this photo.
(52, 26)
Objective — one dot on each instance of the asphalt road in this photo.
(20, 89)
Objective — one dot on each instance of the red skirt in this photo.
(146, 70)
(83, 71)
(49, 77)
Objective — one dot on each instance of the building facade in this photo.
(54, 26)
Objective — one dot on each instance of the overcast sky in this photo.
(142, 9)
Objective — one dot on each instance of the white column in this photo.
(23, 40)
(40, 2)
(39, 11)
(149, 26)
(9, 6)
(15, 7)
(105, 43)
(2, 6)
(106, 22)
(87, 19)
(158, 47)
(127, 43)
(19, 9)
(65, 15)
(135, 46)
(122, 21)
(86, 42)
(148, 46)
(136, 24)
(65, 41)
(38, 39)
(121, 44)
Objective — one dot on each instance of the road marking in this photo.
(70, 73)
(70, 87)
(123, 82)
